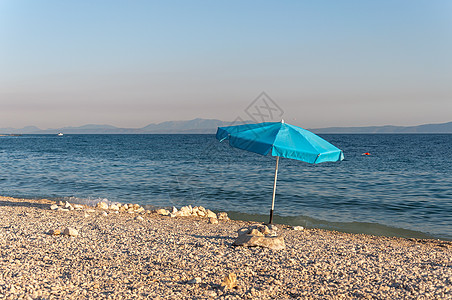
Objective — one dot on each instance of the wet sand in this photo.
(145, 255)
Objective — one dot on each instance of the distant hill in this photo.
(206, 126)
(209, 126)
(426, 128)
(192, 126)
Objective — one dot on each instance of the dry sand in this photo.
(120, 256)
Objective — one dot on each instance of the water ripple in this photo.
(405, 183)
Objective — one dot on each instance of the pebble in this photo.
(70, 231)
(210, 214)
(102, 205)
(67, 205)
(162, 211)
(114, 207)
(78, 206)
(54, 232)
(259, 235)
(230, 281)
(222, 216)
(194, 280)
(212, 294)
(117, 258)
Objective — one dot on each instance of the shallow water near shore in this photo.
(404, 188)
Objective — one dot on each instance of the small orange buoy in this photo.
(367, 153)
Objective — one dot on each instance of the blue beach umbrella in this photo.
(282, 140)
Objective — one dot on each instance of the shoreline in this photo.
(138, 255)
(353, 227)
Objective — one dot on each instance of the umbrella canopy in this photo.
(281, 140)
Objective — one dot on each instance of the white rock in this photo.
(86, 215)
(222, 216)
(258, 230)
(202, 212)
(248, 240)
(212, 294)
(194, 280)
(195, 211)
(54, 207)
(90, 210)
(139, 218)
(199, 211)
(272, 227)
(162, 211)
(184, 211)
(174, 210)
(211, 214)
(114, 207)
(259, 235)
(140, 209)
(298, 228)
(70, 231)
(102, 205)
(104, 213)
(77, 206)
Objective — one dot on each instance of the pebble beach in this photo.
(95, 253)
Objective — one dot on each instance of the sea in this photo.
(403, 188)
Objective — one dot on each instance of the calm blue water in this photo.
(404, 188)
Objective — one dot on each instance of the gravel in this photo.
(121, 256)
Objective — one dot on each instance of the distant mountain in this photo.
(192, 126)
(206, 126)
(26, 129)
(426, 128)
(209, 126)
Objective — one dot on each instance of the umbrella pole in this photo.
(274, 190)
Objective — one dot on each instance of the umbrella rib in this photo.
(225, 138)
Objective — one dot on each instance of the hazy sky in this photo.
(131, 63)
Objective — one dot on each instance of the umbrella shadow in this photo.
(218, 240)
(212, 237)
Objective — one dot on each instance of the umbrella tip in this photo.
(282, 120)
